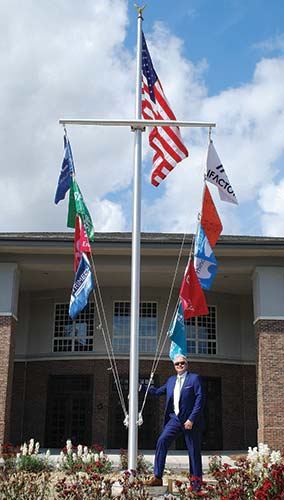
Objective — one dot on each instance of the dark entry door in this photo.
(118, 433)
(68, 410)
(212, 437)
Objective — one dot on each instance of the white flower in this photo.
(79, 450)
(74, 457)
(69, 446)
(275, 457)
(258, 468)
(24, 449)
(253, 454)
(263, 452)
(31, 446)
(47, 454)
(96, 457)
(36, 448)
(101, 454)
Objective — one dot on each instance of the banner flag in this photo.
(210, 220)
(166, 141)
(81, 242)
(205, 263)
(216, 175)
(191, 294)
(177, 335)
(78, 206)
(67, 169)
(83, 285)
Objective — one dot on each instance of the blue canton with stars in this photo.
(148, 69)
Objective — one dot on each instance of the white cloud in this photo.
(52, 67)
(271, 201)
(249, 140)
(272, 44)
(61, 61)
(109, 216)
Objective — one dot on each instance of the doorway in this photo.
(118, 433)
(212, 436)
(69, 410)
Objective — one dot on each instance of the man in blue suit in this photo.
(183, 414)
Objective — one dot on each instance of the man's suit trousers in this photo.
(172, 429)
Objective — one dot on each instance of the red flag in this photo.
(81, 242)
(210, 220)
(166, 141)
(191, 294)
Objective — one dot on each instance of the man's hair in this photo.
(180, 356)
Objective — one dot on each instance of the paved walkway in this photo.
(176, 459)
(179, 459)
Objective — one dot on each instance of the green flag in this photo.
(77, 206)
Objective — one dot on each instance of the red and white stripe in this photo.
(166, 141)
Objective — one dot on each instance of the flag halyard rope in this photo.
(160, 344)
(107, 338)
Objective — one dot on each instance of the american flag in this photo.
(166, 141)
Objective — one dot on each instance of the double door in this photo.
(68, 410)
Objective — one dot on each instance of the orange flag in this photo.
(210, 220)
(191, 294)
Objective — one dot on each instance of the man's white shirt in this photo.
(177, 390)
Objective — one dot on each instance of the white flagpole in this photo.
(135, 265)
(138, 126)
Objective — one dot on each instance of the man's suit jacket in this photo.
(191, 401)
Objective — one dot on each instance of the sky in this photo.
(220, 61)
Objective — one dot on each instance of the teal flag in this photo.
(177, 335)
(78, 206)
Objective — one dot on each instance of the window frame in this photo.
(143, 339)
(198, 339)
(86, 317)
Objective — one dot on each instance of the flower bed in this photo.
(83, 473)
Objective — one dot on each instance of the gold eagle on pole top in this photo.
(140, 9)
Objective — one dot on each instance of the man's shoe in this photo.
(155, 481)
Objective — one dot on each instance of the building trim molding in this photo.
(5, 314)
(268, 318)
(33, 359)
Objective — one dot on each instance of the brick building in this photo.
(55, 377)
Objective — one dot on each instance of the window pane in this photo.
(147, 326)
(201, 333)
(73, 335)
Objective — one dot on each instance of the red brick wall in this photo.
(270, 391)
(238, 399)
(28, 420)
(7, 348)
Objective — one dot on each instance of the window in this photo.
(73, 336)
(147, 327)
(201, 333)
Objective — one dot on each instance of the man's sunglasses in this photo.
(180, 363)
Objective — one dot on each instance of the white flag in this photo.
(217, 176)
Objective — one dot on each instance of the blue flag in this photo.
(177, 335)
(67, 169)
(83, 285)
(205, 263)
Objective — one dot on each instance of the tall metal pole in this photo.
(135, 266)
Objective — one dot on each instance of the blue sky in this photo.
(231, 35)
(219, 61)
